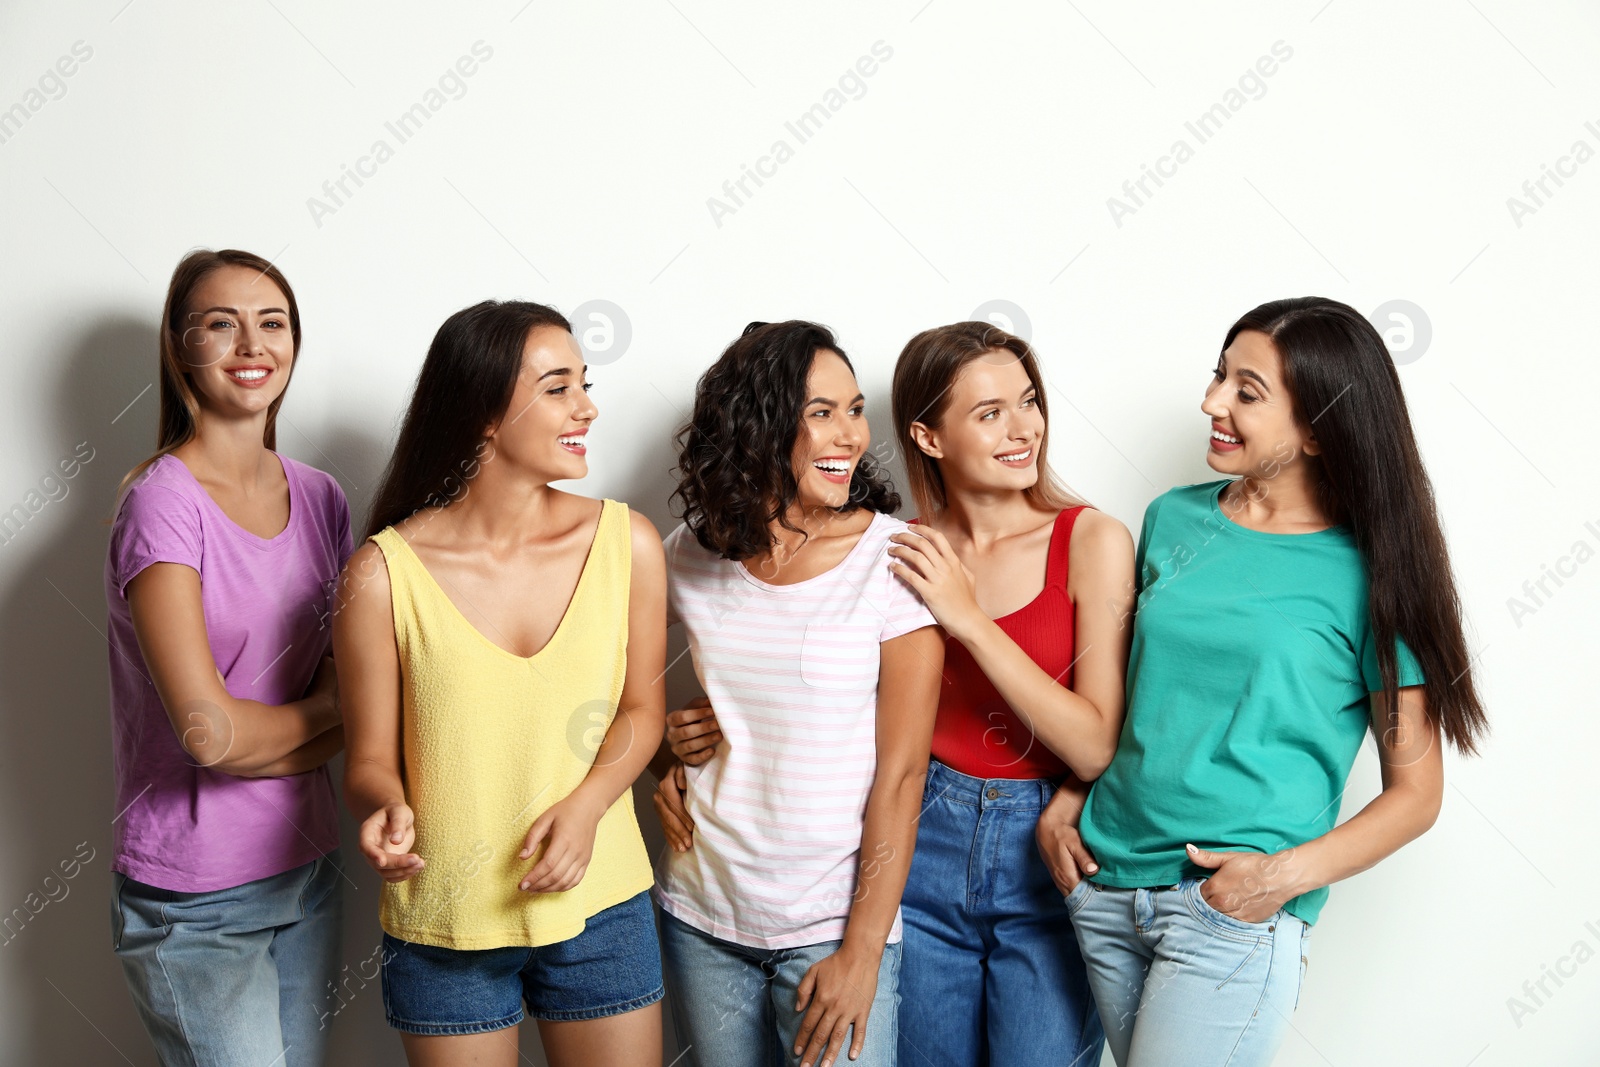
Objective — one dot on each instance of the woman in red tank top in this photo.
(1030, 709)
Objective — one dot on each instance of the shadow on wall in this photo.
(55, 735)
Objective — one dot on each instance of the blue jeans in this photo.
(613, 966)
(733, 1005)
(992, 972)
(1180, 982)
(234, 977)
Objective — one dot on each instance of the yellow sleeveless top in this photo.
(490, 740)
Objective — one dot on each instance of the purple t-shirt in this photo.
(267, 604)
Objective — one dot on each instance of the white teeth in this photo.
(578, 440)
(1016, 457)
(248, 375)
(832, 466)
(1219, 435)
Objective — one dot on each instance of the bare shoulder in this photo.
(642, 530)
(366, 571)
(646, 542)
(364, 595)
(1100, 540)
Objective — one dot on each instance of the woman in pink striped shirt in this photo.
(780, 895)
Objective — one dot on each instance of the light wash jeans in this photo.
(234, 977)
(1179, 982)
(733, 1006)
(991, 972)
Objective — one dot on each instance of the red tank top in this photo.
(976, 732)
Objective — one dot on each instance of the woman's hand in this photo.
(1067, 857)
(1250, 886)
(671, 809)
(836, 995)
(924, 558)
(386, 838)
(693, 732)
(570, 825)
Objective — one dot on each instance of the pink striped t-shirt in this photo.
(792, 673)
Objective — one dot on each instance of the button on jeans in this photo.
(1179, 982)
(992, 973)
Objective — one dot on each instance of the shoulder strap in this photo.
(1061, 546)
(615, 533)
(607, 573)
(404, 588)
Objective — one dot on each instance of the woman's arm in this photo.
(839, 988)
(240, 737)
(1060, 845)
(1080, 725)
(314, 753)
(363, 639)
(1251, 886)
(630, 742)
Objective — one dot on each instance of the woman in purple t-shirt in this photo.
(223, 555)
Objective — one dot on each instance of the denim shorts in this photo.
(614, 966)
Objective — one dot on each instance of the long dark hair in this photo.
(927, 368)
(180, 409)
(1371, 478)
(465, 385)
(736, 453)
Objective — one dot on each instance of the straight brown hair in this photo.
(180, 409)
(923, 376)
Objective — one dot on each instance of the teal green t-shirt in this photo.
(1248, 694)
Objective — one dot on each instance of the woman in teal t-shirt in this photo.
(1281, 613)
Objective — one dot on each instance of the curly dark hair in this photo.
(735, 460)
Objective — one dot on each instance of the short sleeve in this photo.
(670, 547)
(154, 525)
(902, 609)
(1408, 671)
(342, 528)
(670, 543)
(1144, 542)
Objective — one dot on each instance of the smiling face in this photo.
(236, 343)
(545, 425)
(833, 433)
(991, 429)
(1253, 423)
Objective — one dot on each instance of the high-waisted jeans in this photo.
(991, 973)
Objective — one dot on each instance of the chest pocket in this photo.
(840, 654)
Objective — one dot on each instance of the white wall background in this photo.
(576, 165)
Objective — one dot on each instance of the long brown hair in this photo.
(923, 376)
(180, 408)
(1371, 478)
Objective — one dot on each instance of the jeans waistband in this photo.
(1017, 794)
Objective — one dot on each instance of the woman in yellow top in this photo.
(500, 646)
